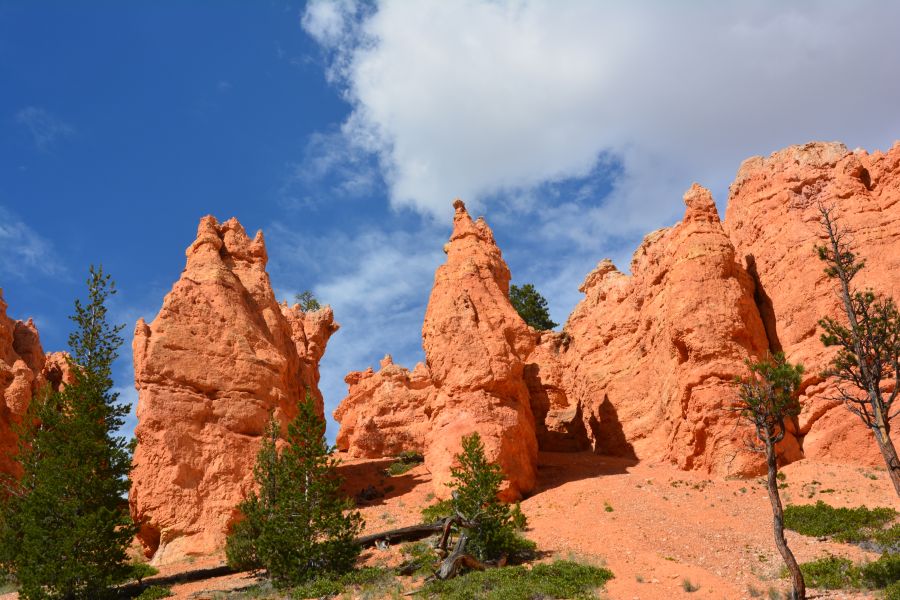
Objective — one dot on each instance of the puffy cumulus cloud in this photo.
(485, 99)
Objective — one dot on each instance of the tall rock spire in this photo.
(220, 356)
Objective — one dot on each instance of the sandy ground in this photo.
(652, 525)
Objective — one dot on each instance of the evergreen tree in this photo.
(488, 521)
(296, 525)
(767, 398)
(307, 301)
(868, 343)
(64, 526)
(531, 306)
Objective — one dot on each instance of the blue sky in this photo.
(344, 131)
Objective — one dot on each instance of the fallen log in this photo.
(402, 534)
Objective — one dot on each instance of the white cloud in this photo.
(23, 251)
(479, 99)
(378, 284)
(45, 128)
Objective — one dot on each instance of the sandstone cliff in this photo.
(773, 220)
(220, 356)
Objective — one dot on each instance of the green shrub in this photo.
(368, 582)
(560, 579)
(831, 573)
(531, 306)
(887, 540)
(519, 520)
(155, 592)
(892, 592)
(882, 572)
(843, 524)
(421, 557)
(297, 525)
(404, 462)
(142, 570)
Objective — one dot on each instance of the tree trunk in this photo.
(403, 534)
(886, 445)
(799, 587)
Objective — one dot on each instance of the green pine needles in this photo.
(531, 306)
(296, 525)
(64, 526)
(488, 521)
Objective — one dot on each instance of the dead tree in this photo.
(868, 343)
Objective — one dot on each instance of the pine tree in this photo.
(767, 398)
(64, 526)
(476, 486)
(531, 306)
(868, 343)
(296, 525)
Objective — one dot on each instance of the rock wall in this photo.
(644, 366)
(773, 220)
(221, 355)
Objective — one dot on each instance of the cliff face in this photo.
(644, 366)
(773, 220)
(649, 359)
(220, 356)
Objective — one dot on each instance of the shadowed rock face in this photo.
(772, 219)
(220, 356)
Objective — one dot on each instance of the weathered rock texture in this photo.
(773, 220)
(21, 366)
(649, 359)
(221, 355)
(644, 366)
(475, 347)
(385, 413)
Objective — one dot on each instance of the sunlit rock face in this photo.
(218, 359)
(773, 221)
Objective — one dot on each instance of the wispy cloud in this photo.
(23, 251)
(46, 128)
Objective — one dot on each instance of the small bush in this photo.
(560, 579)
(831, 573)
(843, 524)
(155, 592)
(689, 587)
(882, 572)
(421, 557)
(519, 520)
(892, 592)
(141, 570)
(404, 462)
(369, 582)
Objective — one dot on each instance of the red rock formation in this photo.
(385, 413)
(220, 356)
(21, 363)
(475, 347)
(773, 221)
(652, 356)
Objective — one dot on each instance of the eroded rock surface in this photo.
(21, 365)
(773, 220)
(221, 355)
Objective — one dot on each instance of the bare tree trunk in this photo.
(886, 445)
(799, 586)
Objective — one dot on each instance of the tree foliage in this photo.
(64, 526)
(307, 301)
(767, 397)
(868, 341)
(531, 306)
(296, 525)
(489, 522)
